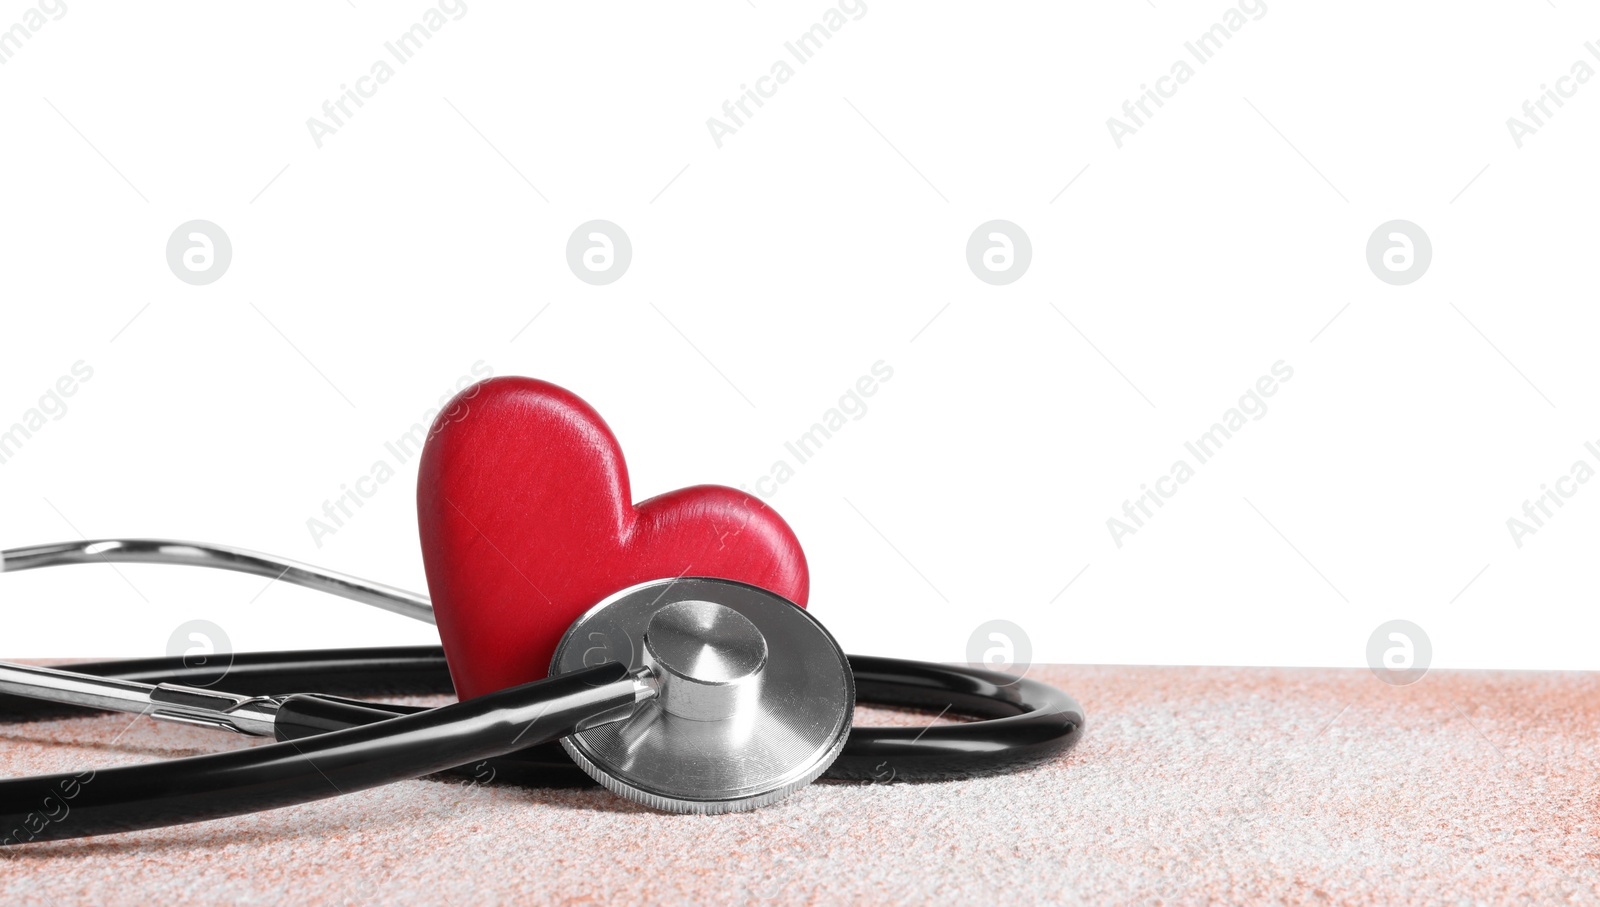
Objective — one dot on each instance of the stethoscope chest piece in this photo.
(753, 698)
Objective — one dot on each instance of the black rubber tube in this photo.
(1023, 722)
(128, 798)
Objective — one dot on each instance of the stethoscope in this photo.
(689, 695)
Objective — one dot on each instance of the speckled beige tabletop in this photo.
(1192, 785)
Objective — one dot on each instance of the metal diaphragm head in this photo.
(753, 696)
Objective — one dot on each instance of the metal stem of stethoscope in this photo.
(251, 715)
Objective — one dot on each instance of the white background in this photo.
(825, 235)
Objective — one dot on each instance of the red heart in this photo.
(527, 522)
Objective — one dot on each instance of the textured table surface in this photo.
(1192, 785)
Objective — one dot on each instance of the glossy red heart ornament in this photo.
(527, 522)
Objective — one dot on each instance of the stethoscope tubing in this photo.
(333, 745)
(1023, 721)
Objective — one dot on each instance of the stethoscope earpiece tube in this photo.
(218, 557)
(130, 798)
